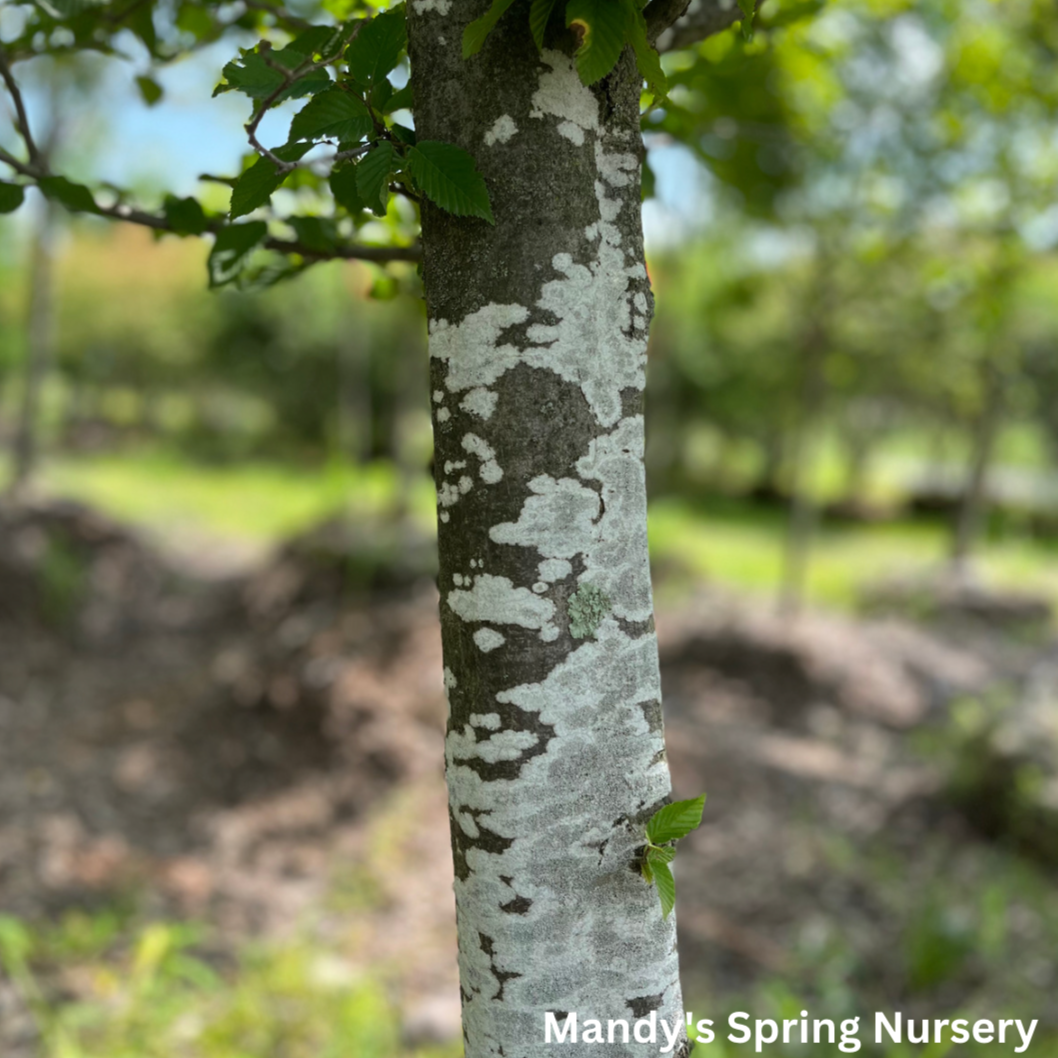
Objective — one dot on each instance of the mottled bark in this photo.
(538, 326)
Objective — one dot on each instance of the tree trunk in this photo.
(538, 326)
(39, 335)
(974, 497)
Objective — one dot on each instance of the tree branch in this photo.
(21, 118)
(347, 252)
(673, 24)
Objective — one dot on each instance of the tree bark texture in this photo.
(555, 753)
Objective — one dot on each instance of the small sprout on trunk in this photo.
(667, 825)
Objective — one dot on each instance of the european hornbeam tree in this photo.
(517, 144)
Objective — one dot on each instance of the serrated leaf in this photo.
(343, 187)
(231, 248)
(376, 48)
(647, 59)
(185, 215)
(446, 174)
(539, 16)
(603, 29)
(150, 90)
(336, 113)
(252, 76)
(316, 40)
(666, 887)
(372, 176)
(675, 821)
(11, 197)
(748, 8)
(254, 188)
(75, 197)
(474, 35)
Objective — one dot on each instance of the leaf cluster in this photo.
(602, 27)
(667, 825)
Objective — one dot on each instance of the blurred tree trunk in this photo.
(973, 503)
(538, 331)
(40, 325)
(800, 450)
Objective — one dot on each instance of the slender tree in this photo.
(525, 162)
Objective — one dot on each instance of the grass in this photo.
(98, 987)
(256, 502)
(727, 543)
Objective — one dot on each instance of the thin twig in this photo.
(21, 119)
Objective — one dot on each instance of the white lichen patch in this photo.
(480, 402)
(558, 519)
(488, 639)
(443, 415)
(497, 601)
(470, 348)
(490, 471)
(438, 396)
(504, 745)
(443, 516)
(564, 842)
(552, 569)
(502, 131)
(466, 483)
(447, 494)
(449, 679)
(440, 7)
(489, 721)
(562, 94)
(457, 464)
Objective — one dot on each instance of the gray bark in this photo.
(555, 752)
(39, 340)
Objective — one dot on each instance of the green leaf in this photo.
(253, 76)
(647, 59)
(150, 90)
(343, 187)
(316, 40)
(539, 16)
(11, 197)
(254, 188)
(400, 100)
(448, 177)
(336, 113)
(603, 28)
(376, 48)
(664, 854)
(184, 215)
(315, 233)
(372, 176)
(675, 821)
(474, 35)
(141, 21)
(666, 885)
(747, 7)
(232, 247)
(75, 197)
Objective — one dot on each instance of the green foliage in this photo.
(448, 177)
(233, 244)
(666, 826)
(75, 197)
(185, 215)
(675, 821)
(150, 90)
(334, 113)
(254, 188)
(601, 26)
(476, 32)
(372, 176)
(11, 197)
(377, 47)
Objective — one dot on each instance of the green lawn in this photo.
(727, 543)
